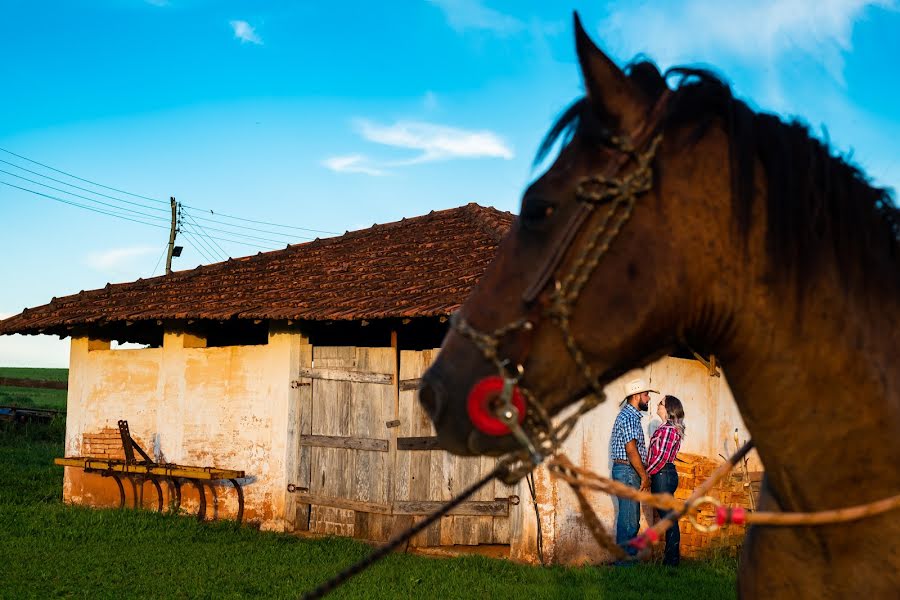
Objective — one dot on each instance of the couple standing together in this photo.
(652, 470)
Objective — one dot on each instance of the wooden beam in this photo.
(428, 442)
(408, 385)
(383, 508)
(342, 375)
(473, 508)
(352, 443)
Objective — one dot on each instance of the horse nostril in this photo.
(431, 400)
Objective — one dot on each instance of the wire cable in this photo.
(129, 210)
(78, 187)
(103, 212)
(159, 261)
(206, 246)
(292, 236)
(82, 178)
(157, 200)
(194, 208)
(190, 237)
(198, 228)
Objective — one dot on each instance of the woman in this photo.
(664, 445)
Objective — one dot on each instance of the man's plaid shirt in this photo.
(626, 428)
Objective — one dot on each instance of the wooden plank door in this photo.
(425, 475)
(353, 398)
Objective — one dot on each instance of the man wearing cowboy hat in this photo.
(629, 453)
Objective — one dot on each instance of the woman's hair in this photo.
(676, 413)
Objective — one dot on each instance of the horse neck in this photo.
(819, 391)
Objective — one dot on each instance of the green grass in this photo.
(33, 397)
(48, 550)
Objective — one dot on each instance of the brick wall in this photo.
(734, 490)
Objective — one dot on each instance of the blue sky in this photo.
(334, 116)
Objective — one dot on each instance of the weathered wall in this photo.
(225, 407)
(711, 417)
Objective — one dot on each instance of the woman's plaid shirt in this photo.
(626, 428)
(664, 445)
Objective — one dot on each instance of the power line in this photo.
(96, 210)
(198, 248)
(159, 261)
(193, 208)
(82, 178)
(77, 187)
(258, 222)
(206, 245)
(100, 211)
(246, 235)
(84, 197)
(287, 235)
(200, 230)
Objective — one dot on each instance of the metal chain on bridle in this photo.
(538, 435)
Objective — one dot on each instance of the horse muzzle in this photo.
(464, 424)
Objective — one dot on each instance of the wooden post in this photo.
(172, 230)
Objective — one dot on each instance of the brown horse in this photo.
(753, 241)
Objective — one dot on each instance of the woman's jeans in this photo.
(666, 481)
(629, 516)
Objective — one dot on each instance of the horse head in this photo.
(594, 277)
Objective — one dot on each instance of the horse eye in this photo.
(535, 211)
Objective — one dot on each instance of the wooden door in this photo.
(353, 393)
(426, 476)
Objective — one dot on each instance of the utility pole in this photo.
(172, 230)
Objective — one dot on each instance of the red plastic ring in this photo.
(721, 515)
(738, 515)
(480, 405)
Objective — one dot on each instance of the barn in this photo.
(299, 367)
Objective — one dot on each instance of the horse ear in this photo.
(606, 85)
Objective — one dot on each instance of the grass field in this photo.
(33, 397)
(48, 549)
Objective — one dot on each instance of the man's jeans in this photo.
(629, 516)
(666, 481)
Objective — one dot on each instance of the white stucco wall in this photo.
(711, 418)
(225, 407)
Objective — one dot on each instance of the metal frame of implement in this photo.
(145, 469)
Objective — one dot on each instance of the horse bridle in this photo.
(534, 429)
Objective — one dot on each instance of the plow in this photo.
(139, 468)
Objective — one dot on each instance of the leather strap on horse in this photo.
(639, 138)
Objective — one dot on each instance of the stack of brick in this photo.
(106, 443)
(734, 490)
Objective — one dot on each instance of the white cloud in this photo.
(117, 258)
(245, 32)
(463, 15)
(758, 32)
(352, 163)
(435, 142)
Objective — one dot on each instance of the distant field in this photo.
(33, 397)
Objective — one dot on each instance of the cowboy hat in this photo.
(636, 386)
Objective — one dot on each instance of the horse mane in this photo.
(819, 205)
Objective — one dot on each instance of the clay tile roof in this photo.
(416, 267)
